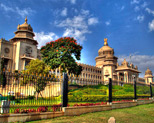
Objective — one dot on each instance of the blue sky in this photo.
(128, 25)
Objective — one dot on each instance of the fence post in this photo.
(65, 90)
(151, 90)
(135, 96)
(110, 90)
(3, 79)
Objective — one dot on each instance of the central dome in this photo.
(105, 49)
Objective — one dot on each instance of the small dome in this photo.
(125, 62)
(105, 49)
(131, 65)
(25, 26)
(148, 72)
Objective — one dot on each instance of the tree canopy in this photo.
(59, 53)
(37, 66)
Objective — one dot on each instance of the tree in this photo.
(36, 67)
(59, 53)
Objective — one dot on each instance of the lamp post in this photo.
(135, 96)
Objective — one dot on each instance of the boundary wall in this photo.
(70, 111)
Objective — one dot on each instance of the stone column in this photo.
(118, 75)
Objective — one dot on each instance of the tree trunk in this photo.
(41, 95)
(37, 95)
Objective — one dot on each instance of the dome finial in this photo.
(105, 42)
(26, 19)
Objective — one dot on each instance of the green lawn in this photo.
(138, 114)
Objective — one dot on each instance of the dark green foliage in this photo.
(87, 98)
(31, 97)
(10, 97)
(17, 101)
(59, 53)
(3, 98)
(143, 90)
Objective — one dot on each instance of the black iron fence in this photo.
(96, 91)
(30, 92)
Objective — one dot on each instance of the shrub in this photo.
(11, 97)
(56, 107)
(42, 109)
(88, 98)
(3, 98)
(31, 97)
(17, 101)
(24, 110)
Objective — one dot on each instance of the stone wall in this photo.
(123, 105)
(29, 117)
(72, 111)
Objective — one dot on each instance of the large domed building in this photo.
(18, 51)
(108, 67)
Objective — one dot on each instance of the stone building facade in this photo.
(18, 51)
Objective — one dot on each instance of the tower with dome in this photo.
(18, 51)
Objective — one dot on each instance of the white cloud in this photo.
(64, 12)
(135, 2)
(72, 1)
(140, 18)
(77, 26)
(22, 12)
(142, 61)
(149, 11)
(85, 12)
(108, 23)
(6, 8)
(144, 4)
(43, 38)
(137, 8)
(122, 8)
(151, 25)
(92, 21)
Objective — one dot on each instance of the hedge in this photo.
(95, 98)
(87, 98)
